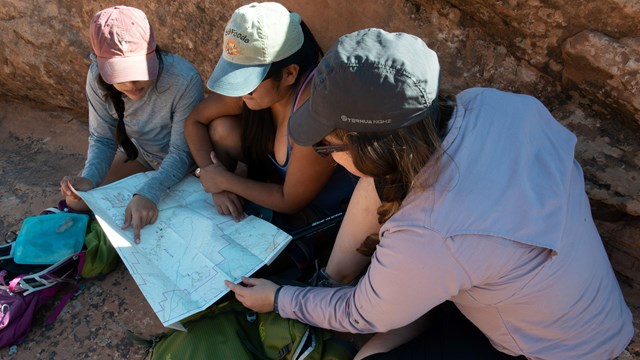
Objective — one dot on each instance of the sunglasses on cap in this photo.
(323, 149)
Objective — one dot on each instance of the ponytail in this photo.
(121, 132)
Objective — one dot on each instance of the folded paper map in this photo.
(184, 257)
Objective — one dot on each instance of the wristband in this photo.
(275, 300)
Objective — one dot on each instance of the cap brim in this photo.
(305, 128)
(131, 68)
(233, 79)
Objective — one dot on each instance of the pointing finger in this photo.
(136, 230)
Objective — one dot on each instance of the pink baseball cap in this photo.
(123, 41)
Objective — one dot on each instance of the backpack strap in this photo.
(252, 349)
(147, 343)
(50, 210)
(63, 271)
(65, 299)
(6, 251)
(58, 309)
(307, 344)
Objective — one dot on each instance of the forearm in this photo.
(363, 308)
(328, 308)
(173, 168)
(412, 267)
(360, 221)
(99, 158)
(197, 135)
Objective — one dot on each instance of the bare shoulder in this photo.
(215, 106)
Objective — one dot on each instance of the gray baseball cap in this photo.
(369, 81)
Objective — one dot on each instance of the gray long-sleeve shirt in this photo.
(506, 233)
(155, 123)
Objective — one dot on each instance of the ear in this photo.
(290, 74)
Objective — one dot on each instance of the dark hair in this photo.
(115, 96)
(258, 129)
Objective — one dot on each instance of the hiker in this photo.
(139, 97)
(267, 62)
(487, 248)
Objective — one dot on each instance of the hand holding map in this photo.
(189, 251)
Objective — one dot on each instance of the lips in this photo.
(136, 92)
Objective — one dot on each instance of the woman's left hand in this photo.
(257, 295)
(139, 213)
(212, 176)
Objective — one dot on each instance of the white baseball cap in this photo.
(256, 36)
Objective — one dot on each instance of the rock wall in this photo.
(581, 58)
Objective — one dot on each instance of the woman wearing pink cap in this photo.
(138, 99)
(261, 78)
(487, 248)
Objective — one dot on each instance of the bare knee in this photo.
(384, 342)
(225, 133)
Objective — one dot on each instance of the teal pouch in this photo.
(47, 239)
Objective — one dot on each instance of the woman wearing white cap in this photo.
(138, 99)
(487, 248)
(267, 61)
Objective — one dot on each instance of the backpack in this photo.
(231, 331)
(45, 258)
(26, 288)
(101, 257)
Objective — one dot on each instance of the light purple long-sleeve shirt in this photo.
(506, 234)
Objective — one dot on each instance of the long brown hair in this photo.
(394, 158)
(258, 129)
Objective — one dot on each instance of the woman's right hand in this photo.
(228, 203)
(77, 182)
(258, 294)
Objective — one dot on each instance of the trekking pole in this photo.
(316, 226)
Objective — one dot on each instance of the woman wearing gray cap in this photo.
(483, 207)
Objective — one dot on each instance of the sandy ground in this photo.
(37, 147)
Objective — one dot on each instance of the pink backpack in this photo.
(25, 288)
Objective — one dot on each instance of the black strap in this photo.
(148, 343)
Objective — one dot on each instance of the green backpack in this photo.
(231, 331)
(101, 257)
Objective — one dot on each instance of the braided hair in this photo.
(115, 96)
